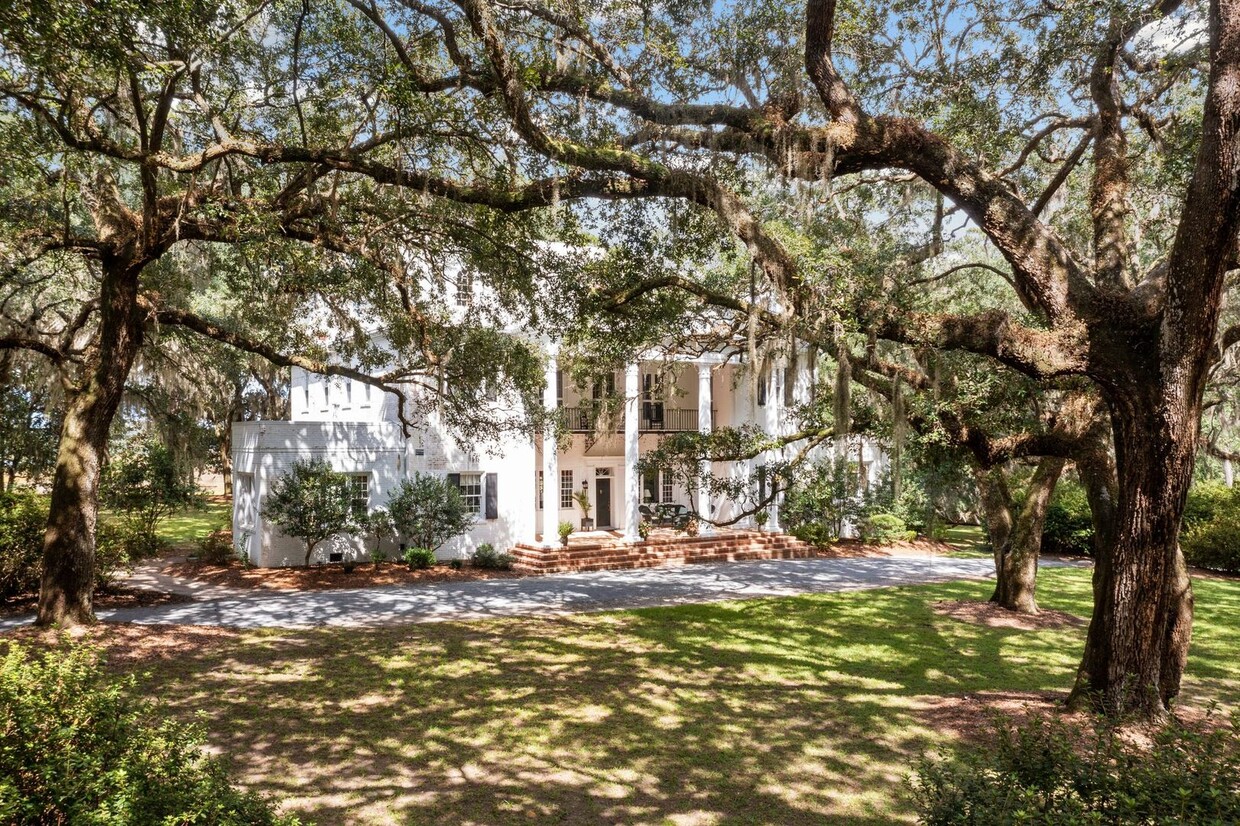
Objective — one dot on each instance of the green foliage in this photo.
(1211, 536)
(79, 747)
(143, 484)
(216, 548)
(1049, 772)
(1069, 526)
(565, 529)
(822, 497)
(643, 529)
(1207, 501)
(428, 511)
(420, 558)
(378, 523)
(884, 528)
(487, 557)
(23, 520)
(310, 502)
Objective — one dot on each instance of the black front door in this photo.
(602, 502)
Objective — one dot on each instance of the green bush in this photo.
(80, 748)
(1069, 525)
(1206, 502)
(428, 511)
(487, 557)
(143, 484)
(1214, 545)
(815, 533)
(883, 528)
(23, 520)
(216, 548)
(420, 558)
(1047, 772)
(1211, 535)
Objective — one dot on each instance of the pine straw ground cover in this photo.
(794, 710)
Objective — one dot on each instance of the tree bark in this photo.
(67, 587)
(1016, 567)
(1017, 542)
(1139, 635)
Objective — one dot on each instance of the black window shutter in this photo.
(492, 496)
(761, 483)
(454, 479)
(763, 378)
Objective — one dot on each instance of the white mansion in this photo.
(355, 428)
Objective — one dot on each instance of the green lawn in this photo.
(189, 526)
(774, 711)
(967, 541)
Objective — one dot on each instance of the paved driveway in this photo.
(558, 593)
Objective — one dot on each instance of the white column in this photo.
(1229, 475)
(632, 484)
(775, 427)
(551, 464)
(705, 424)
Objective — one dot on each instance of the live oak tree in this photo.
(993, 105)
(260, 176)
(644, 98)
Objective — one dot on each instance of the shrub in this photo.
(420, 558)
(428, 511)
(1069, 526)
(487, 557)
(883, 528)
(216, 548)
(79, 747)
(311, 502)
(1211, 536)
(1047, 772)
(456, 563)
(565, 529)
(1214, 545)
(143, 484)
(1206, 501)
(23, 520)
(815, 533)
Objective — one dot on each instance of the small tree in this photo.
(312, 502)
(143, 483)
(428, 511)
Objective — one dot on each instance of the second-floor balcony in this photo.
(654, 417)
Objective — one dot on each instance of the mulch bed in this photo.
(125, 643)
(993, 616)
(116, 597)
(325, 577)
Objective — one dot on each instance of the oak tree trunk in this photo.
(67, 587)
(1139, 634)
(1016, 565)
(1017, 539)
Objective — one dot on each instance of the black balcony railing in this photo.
(655, 418)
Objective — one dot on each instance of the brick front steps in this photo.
(679, 550)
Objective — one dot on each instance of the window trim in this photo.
(359, 504)
(566, 489)
(473, 501)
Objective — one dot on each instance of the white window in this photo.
(359, 494)
(667, 487)
(471, 491)
(464, 289)
(566, 488)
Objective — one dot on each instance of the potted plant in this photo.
(565, 529)
(761, 518)
(643, 530)
(691, 527)
(583, 501)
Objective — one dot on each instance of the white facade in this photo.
(355, 428)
